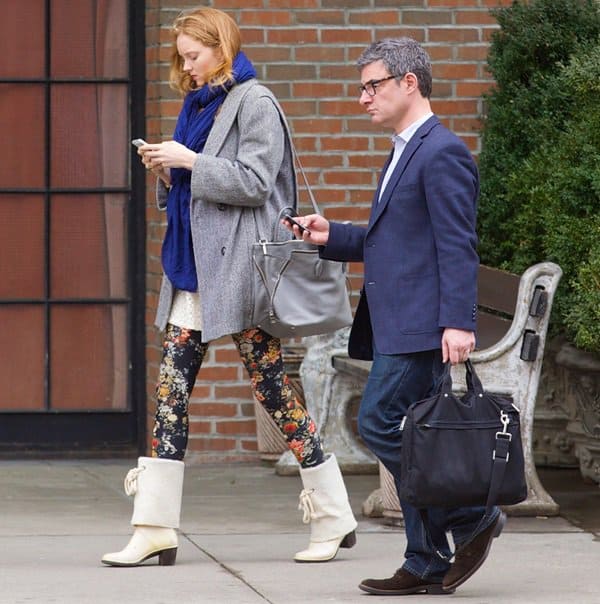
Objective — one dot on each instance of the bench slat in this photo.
(497, 290)
(490, 329)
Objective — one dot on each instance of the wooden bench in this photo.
(512, 324)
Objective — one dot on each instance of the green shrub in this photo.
(540, 160)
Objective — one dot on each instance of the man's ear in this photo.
(412, 82)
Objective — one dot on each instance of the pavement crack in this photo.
(238, 575)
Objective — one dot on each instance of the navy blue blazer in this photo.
(419, 249)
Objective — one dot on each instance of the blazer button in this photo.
(221, 207)
(223, 251)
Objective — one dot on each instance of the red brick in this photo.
(426, 17)
(320, 53)
(265, 54)
(305, 143)
(340, 107)
(302, 108)
(215, 374)
(204, 409)
(319, 18)
(329, 160)
(345, 143)
(477, 52)
(347, 177)
(456, 71)
(294, 36)
(244, 426)
(346, 36)
(365, 161)
(212, 444)
(354, 214)
(452, 34)
(475, 89)
(234, 392)
(454, 107)
(417, 33)
(293, 3)
(313, 125)
(251, 35)
(475, 17)
(233, 4)
(453, 3)
(318, 89)
(371, 18)
(201, 427)
(200, 391)
(265, 18)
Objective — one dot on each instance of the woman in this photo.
(223, 179)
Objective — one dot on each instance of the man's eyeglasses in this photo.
(370, 87)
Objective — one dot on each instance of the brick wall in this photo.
(305, 51)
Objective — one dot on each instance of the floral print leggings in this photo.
(183, 353)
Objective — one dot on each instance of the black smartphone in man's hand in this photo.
(291, 221)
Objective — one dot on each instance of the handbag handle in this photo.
(472, 379)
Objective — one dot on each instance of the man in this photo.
(417, 308)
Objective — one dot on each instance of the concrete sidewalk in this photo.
(240, 529)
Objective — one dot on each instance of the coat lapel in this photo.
(413, 144)
(226, 116)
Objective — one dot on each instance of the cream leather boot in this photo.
(157, 485)
(325, 504)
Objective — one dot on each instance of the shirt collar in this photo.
(408, 132)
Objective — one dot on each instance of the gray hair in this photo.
(400, 55)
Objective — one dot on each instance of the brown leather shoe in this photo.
(402, 583)
(470, 556)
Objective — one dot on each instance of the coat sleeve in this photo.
(451, 188)
(249, 178)
(345, 243)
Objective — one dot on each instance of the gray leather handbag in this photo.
(297, 293)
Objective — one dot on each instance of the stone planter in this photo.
(582, 395)
(552, 444)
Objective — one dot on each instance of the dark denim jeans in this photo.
(396, 381)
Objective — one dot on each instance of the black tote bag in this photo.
(462, 450)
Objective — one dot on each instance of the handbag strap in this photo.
(313, 201)
(291, 210)
(500, 456)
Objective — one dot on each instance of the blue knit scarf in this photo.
(193, 126)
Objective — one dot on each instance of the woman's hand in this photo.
(316, 228)
(161, 157)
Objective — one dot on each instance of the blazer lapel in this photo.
(413, 144)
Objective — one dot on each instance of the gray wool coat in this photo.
(240, 183)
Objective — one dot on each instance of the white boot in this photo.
(325, 504)
(157, 485)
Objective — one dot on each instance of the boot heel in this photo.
(167, 557)
(349, 540)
